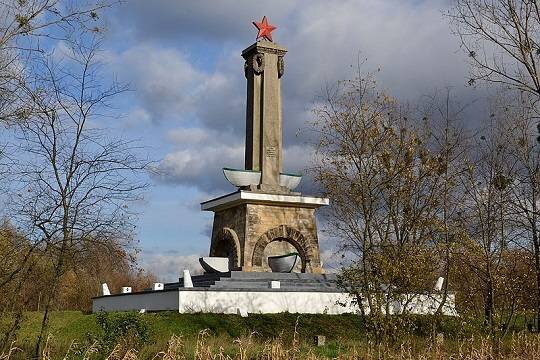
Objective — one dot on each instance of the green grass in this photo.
(76, 325)
(63, 324)
(68, 326)
(342, 332)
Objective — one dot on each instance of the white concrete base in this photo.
(242, 197)
(258, 302)
(423, 304)
(227, 302)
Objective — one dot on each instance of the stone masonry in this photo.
(250, 228)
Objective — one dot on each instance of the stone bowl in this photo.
(290, 181)
(283, 263)
(241, 178)
(213, 264)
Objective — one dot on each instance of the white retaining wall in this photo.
(267, 302)
(151, 301)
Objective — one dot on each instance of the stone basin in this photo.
(241, 178)
(214, 264)
(290, 181)
(283, 263)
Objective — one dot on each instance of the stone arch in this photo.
(226, 240)
(289, 234)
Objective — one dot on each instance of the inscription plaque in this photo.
(271, 151)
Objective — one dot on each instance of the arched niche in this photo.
(283, 233)
(226, 244)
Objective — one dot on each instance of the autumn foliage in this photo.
(417, 195)
(85, 272)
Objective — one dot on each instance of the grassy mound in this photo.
(74, 332)
(76, 325)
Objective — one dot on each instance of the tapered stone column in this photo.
(263, 69)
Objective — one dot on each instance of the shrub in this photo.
(129, 329)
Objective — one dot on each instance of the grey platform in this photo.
(259, 281)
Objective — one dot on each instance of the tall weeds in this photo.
(517, 347)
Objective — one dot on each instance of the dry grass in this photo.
(523, 346)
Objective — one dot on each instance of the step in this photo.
(279, 276)
(265, 285)
(288, 281)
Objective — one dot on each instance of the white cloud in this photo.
(297, 158)
(168, 268)
(201, 154)
(201, 166)
(188, 136)
(164, 79)
(410, 40)
(138, 117)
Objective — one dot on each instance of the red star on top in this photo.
(265, 29)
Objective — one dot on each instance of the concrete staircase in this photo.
(260, 281)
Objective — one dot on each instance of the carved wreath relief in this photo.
(280, 66)
(256, 62)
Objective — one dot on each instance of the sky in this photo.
(182, 60)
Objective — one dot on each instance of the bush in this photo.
(451, 326)
(127, 329)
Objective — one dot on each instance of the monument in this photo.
(261, 229)
(264, 209)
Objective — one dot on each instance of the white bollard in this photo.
(105, 290)
(157, 286)
(241, 312)
(439, 284)
(126, 289)
(187, 279)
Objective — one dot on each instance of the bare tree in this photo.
(450, 141)
(485, 213)
(524, 161)
(501, 38)
(75, 183)
(377, 167)
(25, 25)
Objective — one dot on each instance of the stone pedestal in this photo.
(247, 225)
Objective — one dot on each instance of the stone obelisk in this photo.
(264, 218)
(263, 69)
